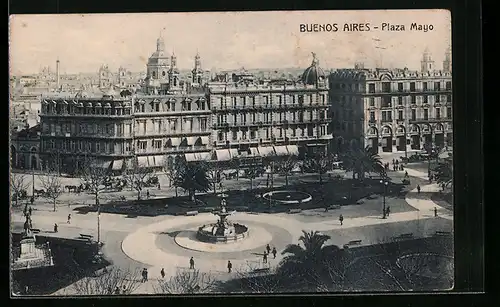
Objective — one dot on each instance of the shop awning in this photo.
(104, 164)
(223, 155)
(205, 140)
(254, 151)
(191, 140)
(266, 151)
(159, 161)
(281, 150)
(129, 164)
(293, 150)
(175, 141)
(190, 157)
(142, 161)
(234, 153)
(151, 161)
(117, 165)
(203, 156)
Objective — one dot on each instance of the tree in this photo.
(319, 164)
(94, 175)
(362, 161)
(249, 280)
(302, 263)
(18, 186)
(126, 280)
(187, 282)
(171, 171)
(286, 166)
(192, 177)
(252, 171)
(125, 93)
(215, 174)
(52, 184)
(443, 173)
(136, 176)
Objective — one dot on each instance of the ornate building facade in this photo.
(278, 117)
(393, 110)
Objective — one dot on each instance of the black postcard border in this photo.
(468, 139)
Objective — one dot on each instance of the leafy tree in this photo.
(319, 164)
(187, 282)
(125, 93)
(126, 280)
(362, 161)
(286, 166)
(443, 173)
(137, 176)
(215, 174)
(192, 177)
(18, 186)
(94, 176)
(52, 184)
(252, 171)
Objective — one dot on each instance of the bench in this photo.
(262, 270)
(355, 242)
(333, 207)
(84, 236)
(291, 211)
(360, 202)
(191, 213)
(35, 230)
(406, 236)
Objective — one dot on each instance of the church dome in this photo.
(313, 73)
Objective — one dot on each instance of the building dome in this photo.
(313, 74)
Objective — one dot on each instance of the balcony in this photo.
(86, 116)
(430, 120)
(84, 136)
(284, 106)
(167, 150)
(172, 113)
(171, 133)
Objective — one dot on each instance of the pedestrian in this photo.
(274, 252)
(30, 210)
(393, 161)
(162, 273)
(69, 218)
(341, 219)
(159, 188)
(229, 266)
(124, 289)
(146, 274)
(26, 290)
(435, 212)
(143, 275)
(388, 210)
(191, 263)
(264, 257)
(117, 290)
(268, 248)
(55, 227)
(397, 162)
(147, 194)
(418, 188)
(406, 173)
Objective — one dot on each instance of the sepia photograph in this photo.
(231, 152)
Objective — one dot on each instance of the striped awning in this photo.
(159, 160)
(151, 161)
(117, 165)
(104, 164)
(223, 155)
(281, 150)
(266, 151)
(205, 140)
(233, 152)
(293, 150)
(190, 157)
(191, 140)
(198, 156)
(254, 151)
(175, 141)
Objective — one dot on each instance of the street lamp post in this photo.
(98, 225)
(384, 184)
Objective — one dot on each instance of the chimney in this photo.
(57, 72)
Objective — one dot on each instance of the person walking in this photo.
(55, 227)
(147, 194)
(143, 275)
(406, 173)
(69, 219)
(191, 263)
(30, 210)
(162, 273)
(435, 212)
(159, 187)
(341, 219)
(418, 188)
(146, 274)
(264, 258)
(124, 289)
(388, 210)
(274, 252)
(268, 248)
(229, 266)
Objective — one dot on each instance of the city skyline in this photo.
(85, 42)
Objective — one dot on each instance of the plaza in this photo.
(168, 242)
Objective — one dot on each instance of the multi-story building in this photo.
(282, 117)
(25, 148)
(393, 110)
(75, 127)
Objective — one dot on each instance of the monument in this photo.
(30, 255)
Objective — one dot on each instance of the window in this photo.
(448, 113)
(203, 124)
(413, 114)
(157, 107)
(448, 98)
(438, 99)
(386, 102)
(386, 87)
(371, 88)
(372, 116)
(157, 144)
(220, 137)
(372, 102)
(413, 99)
(424, 86)
(426, 114)
(412, 87)
(400, 87)
(244, 134)
(437, 86)
(400, 115)
(143, 108)
(448, 85)
(301, 99)
(97, 147)
(426, 99)
(252, 134)
(400, 101)
(235, 134)
(438, 113)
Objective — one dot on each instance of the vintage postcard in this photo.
(241, 152)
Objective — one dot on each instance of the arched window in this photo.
(154, 74)
(163, 73)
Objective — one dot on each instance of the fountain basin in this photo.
(288, 197)
(235, 232)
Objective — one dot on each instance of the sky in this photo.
(225, 40)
